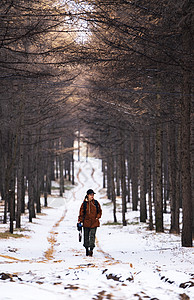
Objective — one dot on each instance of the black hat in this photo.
(90, 191)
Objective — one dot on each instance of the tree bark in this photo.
(186, 168)
(134, 174)
(158, 174)
(118, 176)
(149, 183)
(61, 175)
(104, 173)
(123, 180)
(108, 176)
(113, 194)
(143, 214)
(166, 170)
(73, 171)
(31, 195)
(129, 171)
(20, 181)
(173, 170)
(187, 31)
(11, 202)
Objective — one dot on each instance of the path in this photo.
(63, 261)
(51, 263)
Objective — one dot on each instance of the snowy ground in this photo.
(129, 262)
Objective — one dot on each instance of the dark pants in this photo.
(89, 237)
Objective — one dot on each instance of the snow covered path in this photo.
(129, 262)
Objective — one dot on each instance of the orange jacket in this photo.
(91, 218)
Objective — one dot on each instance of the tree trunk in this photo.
(48, 174)
(186, 167)
(123, 181)
(143, 214)
(2, 169)
(68, 167)
(153, 166)
(57, 161)
(192, 163)
(158, 174)
(118, 176)
(10, 173)
(11, 202)
(61, 175)
(134, 174)
(129, 171)
(187, 32)
(6, 185)
(87, 150)
(78, 138)
(31, 181)
(45, 199)
(20, 181)
(166, 171)
(24, 188)
(173, 170)
(38, 172)
(149, 183)
(108, 179)
(73, 175)
(104, 173)
(113, 194)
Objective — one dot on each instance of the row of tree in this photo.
(140, 108)
(36, 127)
(135, 100)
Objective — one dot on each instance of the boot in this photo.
(91, 252)
(87, 252)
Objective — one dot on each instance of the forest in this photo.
(117, 75)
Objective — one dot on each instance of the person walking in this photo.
(89, 215)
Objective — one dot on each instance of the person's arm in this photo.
(81, 214)
(99, 211)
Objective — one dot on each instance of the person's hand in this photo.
(79, 226)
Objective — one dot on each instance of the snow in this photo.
(129, 262)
